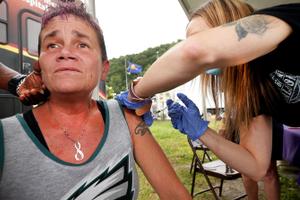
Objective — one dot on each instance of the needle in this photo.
(158, 111)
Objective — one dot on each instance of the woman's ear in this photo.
(37, 67)
(105, 70)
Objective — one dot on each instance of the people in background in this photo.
(72, 147)
(258, 59)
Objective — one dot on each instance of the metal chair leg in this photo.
(207, 155)
(192, 164)
(221, 187)
(203, 157)
(194, 178)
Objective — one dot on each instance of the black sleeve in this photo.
(290, 13)
(13, 84)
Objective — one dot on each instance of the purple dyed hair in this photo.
(64, 8)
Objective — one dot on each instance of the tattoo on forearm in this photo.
(141, 129)
(253, 24)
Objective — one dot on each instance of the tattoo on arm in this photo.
(254, 24)
(142, 129)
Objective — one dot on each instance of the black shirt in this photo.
(282, 66)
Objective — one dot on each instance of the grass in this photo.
(174, 145)
(179, 153)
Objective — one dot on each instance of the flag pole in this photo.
(126, 79)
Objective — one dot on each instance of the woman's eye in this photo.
(83, 45)
(52, 46)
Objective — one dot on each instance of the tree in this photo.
(116, 77)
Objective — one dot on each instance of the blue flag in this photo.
(134, 68)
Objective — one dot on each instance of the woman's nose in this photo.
(66, 53)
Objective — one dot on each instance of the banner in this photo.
(133, 68)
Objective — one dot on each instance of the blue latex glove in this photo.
(148, 118)
(122, 98)
(187, 119)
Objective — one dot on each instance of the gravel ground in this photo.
(235, 188)
(231, 189)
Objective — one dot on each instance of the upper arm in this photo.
(152, 161)
(237, 42)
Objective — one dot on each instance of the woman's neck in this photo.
(65, 124)
(75, 107)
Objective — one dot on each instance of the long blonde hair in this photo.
(243, 87)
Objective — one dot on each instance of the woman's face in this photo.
(196, 25)
(70, 58)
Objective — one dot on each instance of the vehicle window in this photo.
(3, 11)
(33, 29)
(3, 32)
(3, 23)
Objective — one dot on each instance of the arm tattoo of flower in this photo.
(142, 129)
(253, 24)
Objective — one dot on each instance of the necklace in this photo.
(79, 155)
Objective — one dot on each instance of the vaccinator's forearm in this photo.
(5, 75)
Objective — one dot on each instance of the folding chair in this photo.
(217, 169)
(199, 146)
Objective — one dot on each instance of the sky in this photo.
(132, 26)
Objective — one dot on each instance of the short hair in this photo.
(64, 8)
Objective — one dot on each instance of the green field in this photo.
(178, 151)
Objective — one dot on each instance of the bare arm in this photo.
(5, 75)
(153, 162)
(231, 44)
(30, 91)
(252, 157)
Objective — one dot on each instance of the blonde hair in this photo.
(218, 12)
(243, 87)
